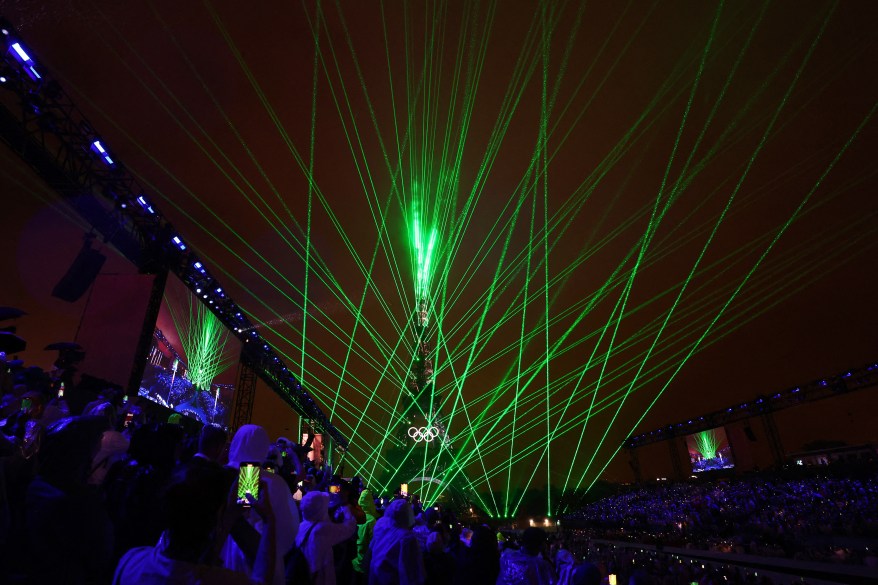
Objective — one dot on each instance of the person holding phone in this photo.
(318, 534)
(189, 546)
(251, 444)
(249, 476)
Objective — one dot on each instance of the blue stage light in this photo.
(145, 205)
(178, 242)
(99, 149)
(26, 62)
(22, 55)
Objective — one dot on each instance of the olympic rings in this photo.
(426, 434)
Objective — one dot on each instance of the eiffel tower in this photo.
(423, 451)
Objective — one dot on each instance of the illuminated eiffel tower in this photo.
(422, 421)
(423, 451)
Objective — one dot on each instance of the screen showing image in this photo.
(248, 482)
(709, 450)
(192, 364)
(316, 454)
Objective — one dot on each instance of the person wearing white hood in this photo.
(318, 534)
(251, 443)
(396, 552)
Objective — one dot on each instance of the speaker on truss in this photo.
(81, 274)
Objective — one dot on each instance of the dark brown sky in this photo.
(782, 90)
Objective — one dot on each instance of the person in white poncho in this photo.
(396, 552)
(318, 534)
(251, 443)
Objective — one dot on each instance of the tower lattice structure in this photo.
(423, 450)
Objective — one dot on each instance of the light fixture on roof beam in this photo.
(99, 149)
(26, 62)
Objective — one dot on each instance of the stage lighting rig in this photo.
(54, 138)
(849, 380)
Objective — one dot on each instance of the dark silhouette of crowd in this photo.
(103, 490)
(120, 491)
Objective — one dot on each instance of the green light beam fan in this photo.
(707, 443)
(424, 256)
(204, 340)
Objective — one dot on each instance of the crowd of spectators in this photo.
(99, 491)
(595, 563)
(819, 517)
(107, 492)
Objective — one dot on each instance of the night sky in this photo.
(706, 170)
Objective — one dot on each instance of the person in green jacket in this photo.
(364, 538)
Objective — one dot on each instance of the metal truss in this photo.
(764, 405)
(41, 124)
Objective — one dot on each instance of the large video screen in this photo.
(192, 364)
(709, 450)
